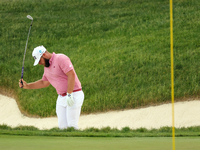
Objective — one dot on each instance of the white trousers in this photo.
(69, 116)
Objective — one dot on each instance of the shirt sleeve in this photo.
(65, 64)
(44, 78)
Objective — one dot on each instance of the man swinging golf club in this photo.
(60, 73)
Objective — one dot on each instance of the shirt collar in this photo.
(51, 59)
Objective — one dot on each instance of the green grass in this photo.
(77, 143)
(104, 132)
(27, 138)
(120, 50)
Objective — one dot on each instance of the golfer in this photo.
(60, 73)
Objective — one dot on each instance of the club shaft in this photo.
(22, 74)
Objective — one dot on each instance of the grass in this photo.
(103, 132)
(27, 137)
(77, 143)
(120, 50)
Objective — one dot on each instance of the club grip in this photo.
(22, 76)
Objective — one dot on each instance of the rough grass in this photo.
(120, 50)
(103, 132)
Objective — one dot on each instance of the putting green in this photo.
(8, 142)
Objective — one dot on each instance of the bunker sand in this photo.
(186, 115)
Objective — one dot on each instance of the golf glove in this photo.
(70, 99)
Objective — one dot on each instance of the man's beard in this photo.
(47, 64)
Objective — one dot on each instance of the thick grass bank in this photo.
(120, 50)
(104, 132)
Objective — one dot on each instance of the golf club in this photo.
(22, 74)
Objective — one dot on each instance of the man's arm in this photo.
(34, 85)
(71, 81)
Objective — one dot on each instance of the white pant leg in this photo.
(69, 116)
(73, 115)
(73, 112)
(62, 117)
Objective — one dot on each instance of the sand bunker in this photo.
(187, 114)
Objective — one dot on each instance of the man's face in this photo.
(45, 62)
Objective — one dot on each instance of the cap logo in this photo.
(40, 51)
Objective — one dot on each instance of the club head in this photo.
(29, 17)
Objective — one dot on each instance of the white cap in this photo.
(37, 54)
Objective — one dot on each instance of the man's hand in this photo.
(70, 99)
(24, 85)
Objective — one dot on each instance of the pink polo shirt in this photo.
(60, 64)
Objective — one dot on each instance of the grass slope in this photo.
(120, 50)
